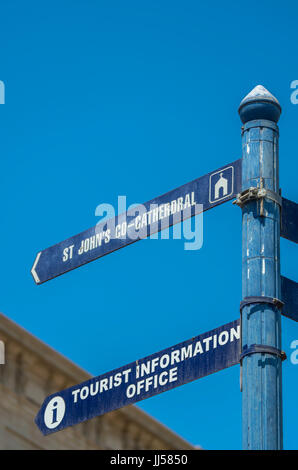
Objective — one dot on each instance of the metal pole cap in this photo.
(259, 104)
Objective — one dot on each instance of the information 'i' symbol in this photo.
(54, 412)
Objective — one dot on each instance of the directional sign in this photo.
(190, 360)
(289, 295)
(162, 212)
(289, 220)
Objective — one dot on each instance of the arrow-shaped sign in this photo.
(180, 364)
(289, 295)
(289, 220)
(162, 212)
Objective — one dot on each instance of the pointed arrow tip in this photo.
(33, 270)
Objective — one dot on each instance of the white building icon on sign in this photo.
(221, 184)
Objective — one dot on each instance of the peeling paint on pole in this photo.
(261, 322)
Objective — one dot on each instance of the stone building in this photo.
(31, 372)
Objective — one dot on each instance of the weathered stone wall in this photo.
(31, 372)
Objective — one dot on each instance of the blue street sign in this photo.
(190, 360)
(160, 213)
(289, 295)
(289, 220)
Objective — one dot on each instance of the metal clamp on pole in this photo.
(257, 300)
(261, 300)
(254, 193)
(262, 349)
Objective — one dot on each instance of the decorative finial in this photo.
(259, 104)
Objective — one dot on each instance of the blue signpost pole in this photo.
(261, 370)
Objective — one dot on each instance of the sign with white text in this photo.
(140, 222)
(180, 364)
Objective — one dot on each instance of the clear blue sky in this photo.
(136, 98)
